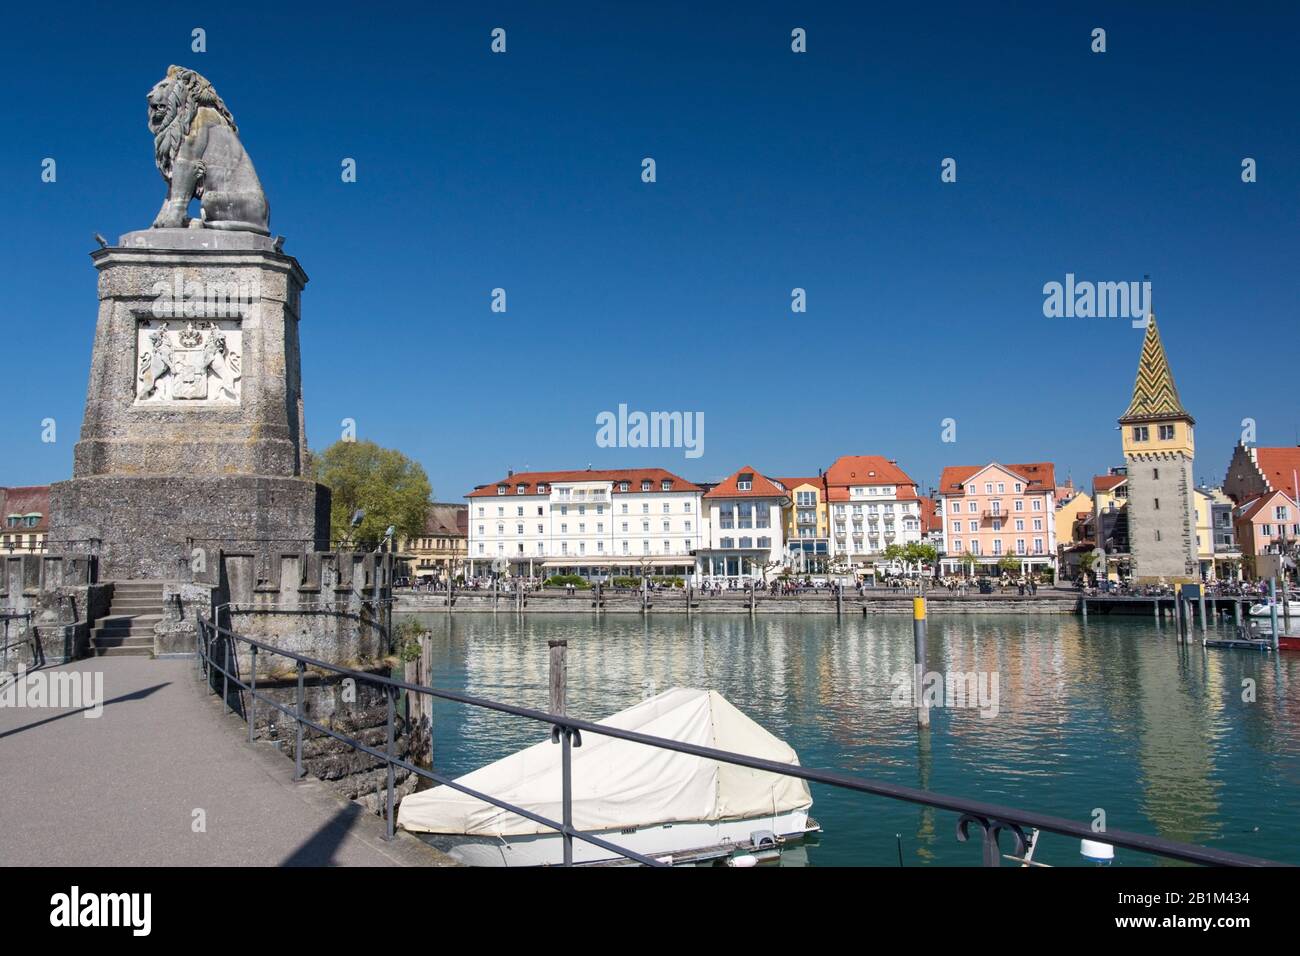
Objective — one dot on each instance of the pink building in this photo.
(1266, 527)
(992, 511)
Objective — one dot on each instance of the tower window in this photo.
(1155, 473)
(1166, 432)
(1141, 433)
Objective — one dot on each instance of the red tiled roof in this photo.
(850, 471)
(1279, 465)
(25, 500)
(1107, 482)
(761, 486)
(866, 470)
(1039, 476)
(930, 521)
(634, 477)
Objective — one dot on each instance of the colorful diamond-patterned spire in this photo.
(1154, 394)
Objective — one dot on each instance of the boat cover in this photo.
(619, 784)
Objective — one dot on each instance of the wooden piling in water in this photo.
(918, 666)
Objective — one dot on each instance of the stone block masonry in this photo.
(193, 434)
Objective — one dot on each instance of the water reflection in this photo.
(1112, 716)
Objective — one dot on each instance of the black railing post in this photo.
(567, 788)
(390, 692)
(297, 750)
(252, 693)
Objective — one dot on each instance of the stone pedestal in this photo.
(193, 435)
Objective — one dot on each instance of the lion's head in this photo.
(173, 103)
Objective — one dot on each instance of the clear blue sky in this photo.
(775, 170)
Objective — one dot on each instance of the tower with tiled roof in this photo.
(1159, 449)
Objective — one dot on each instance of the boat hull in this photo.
(663, 840)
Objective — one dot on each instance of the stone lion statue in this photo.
(197, 148)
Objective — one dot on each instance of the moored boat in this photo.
(658, 802)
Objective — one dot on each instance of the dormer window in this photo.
(521, 490)
(745, 482)
(501, 489)
(541, 489)
(666, 485)
(623, 486)
(645, 485)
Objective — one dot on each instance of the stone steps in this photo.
(127, 629)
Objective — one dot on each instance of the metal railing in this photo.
(15, 631)
(992, 820)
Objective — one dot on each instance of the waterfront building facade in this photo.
(25, 513)
(440, 550)
(1267, 529)
(594, 523)
(1159, 451)
(745, 534)
(871, 504)
(994, 511)
(807, 530)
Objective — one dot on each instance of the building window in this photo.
(1166, 432)
(1155, 473)
(1141, 433)
(666, 485)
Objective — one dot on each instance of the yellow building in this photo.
(1067, 515)
(807, 523)
(25, 517)
(442, 548)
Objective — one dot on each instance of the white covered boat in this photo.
(657, 802)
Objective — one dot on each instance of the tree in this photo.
(390, 488)
(1010, 564)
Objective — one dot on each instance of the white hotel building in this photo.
(745, 540)
(871, 504)
(593, 523)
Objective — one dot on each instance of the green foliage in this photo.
(563, 580)
(1010, 564)
(406, 639)
(919, 551)
(388, 486)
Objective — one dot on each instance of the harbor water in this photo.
(1111, 717)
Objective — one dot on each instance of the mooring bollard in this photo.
(918, 641)
(1201, 592)
(559, 679)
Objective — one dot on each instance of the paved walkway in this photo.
(121, 789)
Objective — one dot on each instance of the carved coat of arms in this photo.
(198, 363)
